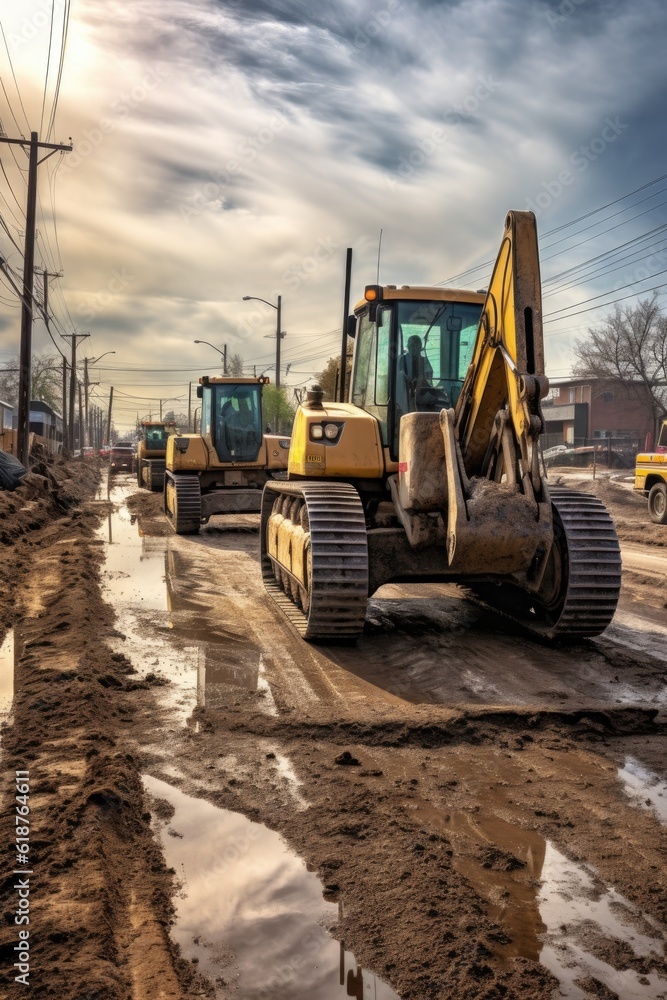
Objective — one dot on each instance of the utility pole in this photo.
(23, 429)
(85, 396)
(160, 409)
(224, 359)
(80, 423)
(189, 407)
(74, 337)
(278, 339)
(108, 441)
(346, 312)
(65, 425)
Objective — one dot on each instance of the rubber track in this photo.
(339, 553)
(594, 558)
(188, 504)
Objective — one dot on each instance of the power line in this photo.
(63, 47)
(489, 263)
(48, 63)
(18, 92)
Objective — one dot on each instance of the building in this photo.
(579, 411)
(6, 433)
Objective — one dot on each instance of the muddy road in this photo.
(448, 808)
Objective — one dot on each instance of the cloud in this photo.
(235, 136)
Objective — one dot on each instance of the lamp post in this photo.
(279, 333)
(86, 388)
(222, 353)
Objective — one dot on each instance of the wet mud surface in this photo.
(447, 809)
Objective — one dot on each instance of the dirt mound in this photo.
(100, 895)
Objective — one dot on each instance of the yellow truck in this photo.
(651, 477)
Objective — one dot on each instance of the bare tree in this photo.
(46, 381)
(235, 365)
(328, 378)
(630, 346)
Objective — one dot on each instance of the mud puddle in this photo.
(556, 911)
(644, 788)
(7, 674)
(249, 913)
(206, 663)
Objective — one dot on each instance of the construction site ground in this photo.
(448, 808)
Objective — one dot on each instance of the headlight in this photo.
(331, 431)
(284, 443)
(316, 432)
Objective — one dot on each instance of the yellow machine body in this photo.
(223, 468)
(432, 470)
(200, 454)
(651, 477)
(356, 450)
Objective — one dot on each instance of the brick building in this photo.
(582, 410)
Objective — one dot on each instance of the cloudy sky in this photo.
(236, 147)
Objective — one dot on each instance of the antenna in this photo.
(379, 252)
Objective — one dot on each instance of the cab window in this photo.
(206, 411)
(370, 383)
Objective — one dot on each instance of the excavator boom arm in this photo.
(498, 418)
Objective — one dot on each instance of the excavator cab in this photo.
(432, 471)
(232, 415)
(151, 452)
(413, 348)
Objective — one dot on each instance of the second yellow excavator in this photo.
(151, 452)
(432, 470)
(223, 469)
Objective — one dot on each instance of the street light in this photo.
(222, 353)
(86, 390)
(279, 333)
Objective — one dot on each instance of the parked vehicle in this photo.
(651, 477)
(47, 427)
(121, 457)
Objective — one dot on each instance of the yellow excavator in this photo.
(151, 452)
(432, 471)
(223, 469)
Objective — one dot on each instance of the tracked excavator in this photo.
(431, 471)
(151, 452)
(222, 469)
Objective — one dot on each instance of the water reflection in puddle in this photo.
(569, 922)
(6, 674)
(577, 910)
(207, 664)
(249, 911)
(644, 788)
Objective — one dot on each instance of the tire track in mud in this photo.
(469, 816)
